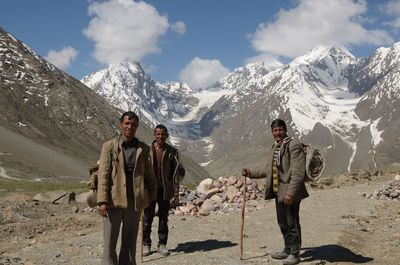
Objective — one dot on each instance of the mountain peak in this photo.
(320, 52)
(269, 65)
(127, 66)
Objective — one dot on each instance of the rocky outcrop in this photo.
(391, 191)
(219, 196)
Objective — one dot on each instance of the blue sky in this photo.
(195, 41)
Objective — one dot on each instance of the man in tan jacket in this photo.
(285, 183)
(126, 185)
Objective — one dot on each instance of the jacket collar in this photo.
(167, 146)
(118, 147)
(284, 141)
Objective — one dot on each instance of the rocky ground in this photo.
(346, 220)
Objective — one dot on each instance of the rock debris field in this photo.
(349, 218)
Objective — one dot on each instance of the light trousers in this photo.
(129, 218)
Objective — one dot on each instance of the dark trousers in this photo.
(289, 223)
(163, 208)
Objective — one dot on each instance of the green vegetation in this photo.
(33, 187)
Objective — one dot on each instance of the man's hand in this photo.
(288, 200)
(246, 172)
(103, 210)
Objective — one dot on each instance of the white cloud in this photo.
(392, 8)
(179, 27)
(62, 58)
(201, 73)
(124, 29)
(315, 22)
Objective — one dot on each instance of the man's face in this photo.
(279, 133)
(128, 127)
(160, 136)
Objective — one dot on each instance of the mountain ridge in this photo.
(323, 90)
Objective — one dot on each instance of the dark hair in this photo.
(278, 123)
(131, 115)
(161, 127)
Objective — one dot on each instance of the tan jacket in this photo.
(291, 173)
(172, 171)
(112, 181)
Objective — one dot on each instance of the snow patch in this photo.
(206, 99)
(205, 163)
(174, 140)
(375, 133)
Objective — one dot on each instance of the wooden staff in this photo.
(142, 239)
(242, 223)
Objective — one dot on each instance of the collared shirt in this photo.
(157, 157)
(129, 150)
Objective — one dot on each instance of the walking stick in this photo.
(242, 223)
(142, 228)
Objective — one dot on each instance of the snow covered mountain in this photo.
(50, 123)
(329, 98)
(320, 95)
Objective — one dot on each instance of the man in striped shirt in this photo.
(285, 183)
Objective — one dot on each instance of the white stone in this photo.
(204, 186)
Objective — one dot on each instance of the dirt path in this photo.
(338, 225)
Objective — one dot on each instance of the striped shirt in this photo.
(275, 168)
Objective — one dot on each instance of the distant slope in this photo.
(24, 158)
(64, 118)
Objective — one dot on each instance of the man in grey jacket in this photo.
(168, 171)
(285, 175)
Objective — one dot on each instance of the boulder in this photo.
(232, 181)
(184, 209)
(190, 206)
(208, 205)
(216, 199)
(231, 193)
(203, 212)
(204, 186)
(211, 192)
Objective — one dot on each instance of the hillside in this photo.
(51, 124)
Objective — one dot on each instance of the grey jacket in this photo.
(291, 174)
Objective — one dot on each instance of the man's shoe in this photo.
(146, 250)
(291, 260)
(280, 255)
(162, 249)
